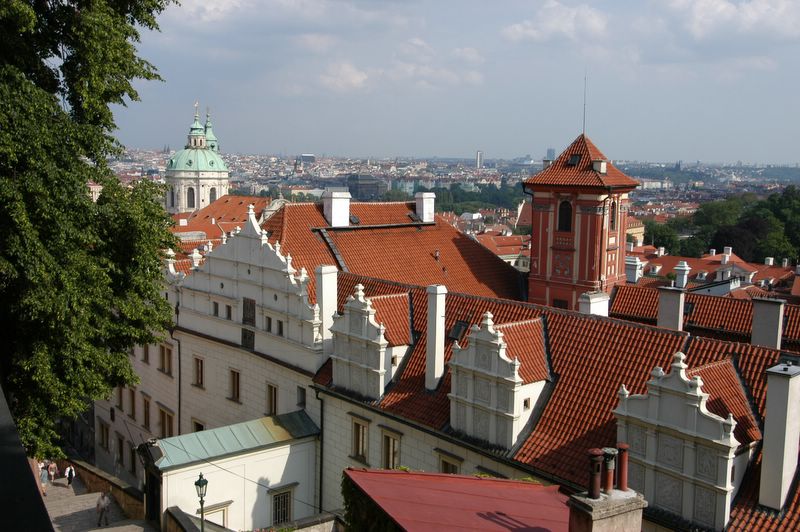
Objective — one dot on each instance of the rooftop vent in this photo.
(354, 219)
(414, 217)
(574, 159)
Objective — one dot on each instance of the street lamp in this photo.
(201, 485)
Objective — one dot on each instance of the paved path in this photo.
(72, 509)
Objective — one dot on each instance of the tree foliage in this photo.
(80, 282)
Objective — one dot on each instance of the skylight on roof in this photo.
(574, 159)
(414, 217)
(458, 330)
(354, 219)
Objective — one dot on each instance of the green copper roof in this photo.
(211, 139)
(249, 436)
(196, 128)
(197, 160)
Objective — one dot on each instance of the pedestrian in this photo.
(69, 472)
(103, 502)
(43, 476)
(53, 470)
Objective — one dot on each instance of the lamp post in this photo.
(201, 485)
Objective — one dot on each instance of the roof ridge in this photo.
(387, 296)
(510, 324)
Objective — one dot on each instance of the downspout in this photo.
(526, 279)
(180, 373)
(321, 446)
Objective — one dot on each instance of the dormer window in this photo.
(574, 159)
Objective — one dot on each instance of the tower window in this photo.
(565, 216)
(190, 198)
(212, 194)
(612, 217)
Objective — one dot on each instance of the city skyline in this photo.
(667, 81)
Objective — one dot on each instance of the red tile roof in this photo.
(505, 245)
(747, 514)
(419, 501)
(561, 173)
(525, 342)
(394, 312)
(228, 209)
(526, 215)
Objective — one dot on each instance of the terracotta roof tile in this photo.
(230, 209)
(747, 514)
(525, 341)
(394, 312)
(562, 173)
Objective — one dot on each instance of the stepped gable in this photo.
(562, 173)
(726, 395)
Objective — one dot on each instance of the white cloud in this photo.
(343, 77)
(318, 43)
(555, 20)
(208, 12)
(703, 18)
(470, 55)
(432, 76)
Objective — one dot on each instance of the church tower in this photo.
(580, 208)
(196, 175)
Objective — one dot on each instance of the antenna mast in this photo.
(585, 77)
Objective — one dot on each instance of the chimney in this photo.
(661, 251)
(670, 307)
(425, 204)
(434, 357)
(725, 258)
(769, 261)
(634, 269)
(546, 163)
(781, 433)
(606, 511)
(785, 263)
(327, 278)
(797, 269)
(682, 270)
(600, 166)
(336, 207)
(629, 246)
(767, 325)
(712, 251)
(183, 222)
(594, 303)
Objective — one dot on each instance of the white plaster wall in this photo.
(244, 479)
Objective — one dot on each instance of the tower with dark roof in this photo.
(580, 206)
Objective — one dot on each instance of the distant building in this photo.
(365, 187)
(308, 158)
(479, 159)
(551, 154)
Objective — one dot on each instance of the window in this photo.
(560, 303)
(391, 451)
(120, 455)
(248, 339)
(360, 434)
(301, 397)
(268, 324)
(450, 467)
(103, 435)
(272, 399)
(574, 159)
(280, 328)
(165, 360)
(565, 216)
(228, 312)
(119, 397)
(146, 354)
(612, 216)
(171, 197)
(249, 311)
(212, 195)
(234, 386)
(198, 372)
(132, 459)
(145, 412)
(215, 308)
(165, 420)
(198, 426)
(190, 198)
(281, 507)
(132, 397)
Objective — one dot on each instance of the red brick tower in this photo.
(580, 207)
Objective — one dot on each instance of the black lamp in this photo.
(201, 485)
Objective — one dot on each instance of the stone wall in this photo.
(130, 499)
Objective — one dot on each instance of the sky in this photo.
(668, 80)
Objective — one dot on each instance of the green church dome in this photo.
(196, 160)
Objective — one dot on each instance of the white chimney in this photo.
(593, 303)
(769, 261)
(727, 250)
(425, 204)
(327, 288)
(712, 251)
(183, 222)
(661, 252)
(781, 434)
(682, 270)
(629, 246)
(600, 166)
(336, 207)
(434, 357)
(670, 307)
(634, 269)
(767, 322)
(725, 258)
(785, 263)
(546, 163)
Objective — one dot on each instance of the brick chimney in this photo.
(781, 434)
(434, 354)
(670, 307)
(425, 205)
(336, 207)
(611, 509)
(593, 303)
(767, 327)
(327, 278)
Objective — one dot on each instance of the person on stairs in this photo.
(103, 502)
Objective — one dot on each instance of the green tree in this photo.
(80, 282)
(660, 235)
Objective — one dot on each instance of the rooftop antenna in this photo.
(585, 77)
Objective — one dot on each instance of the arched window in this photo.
(171, 196)
(565, 216)
(190, 198)
(612, 216)
(212, 195)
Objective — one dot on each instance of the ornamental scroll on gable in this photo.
(681, 455)
(488, 398)
(362, 360)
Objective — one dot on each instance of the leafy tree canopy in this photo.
(80, 282)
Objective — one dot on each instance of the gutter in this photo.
(321, 445)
